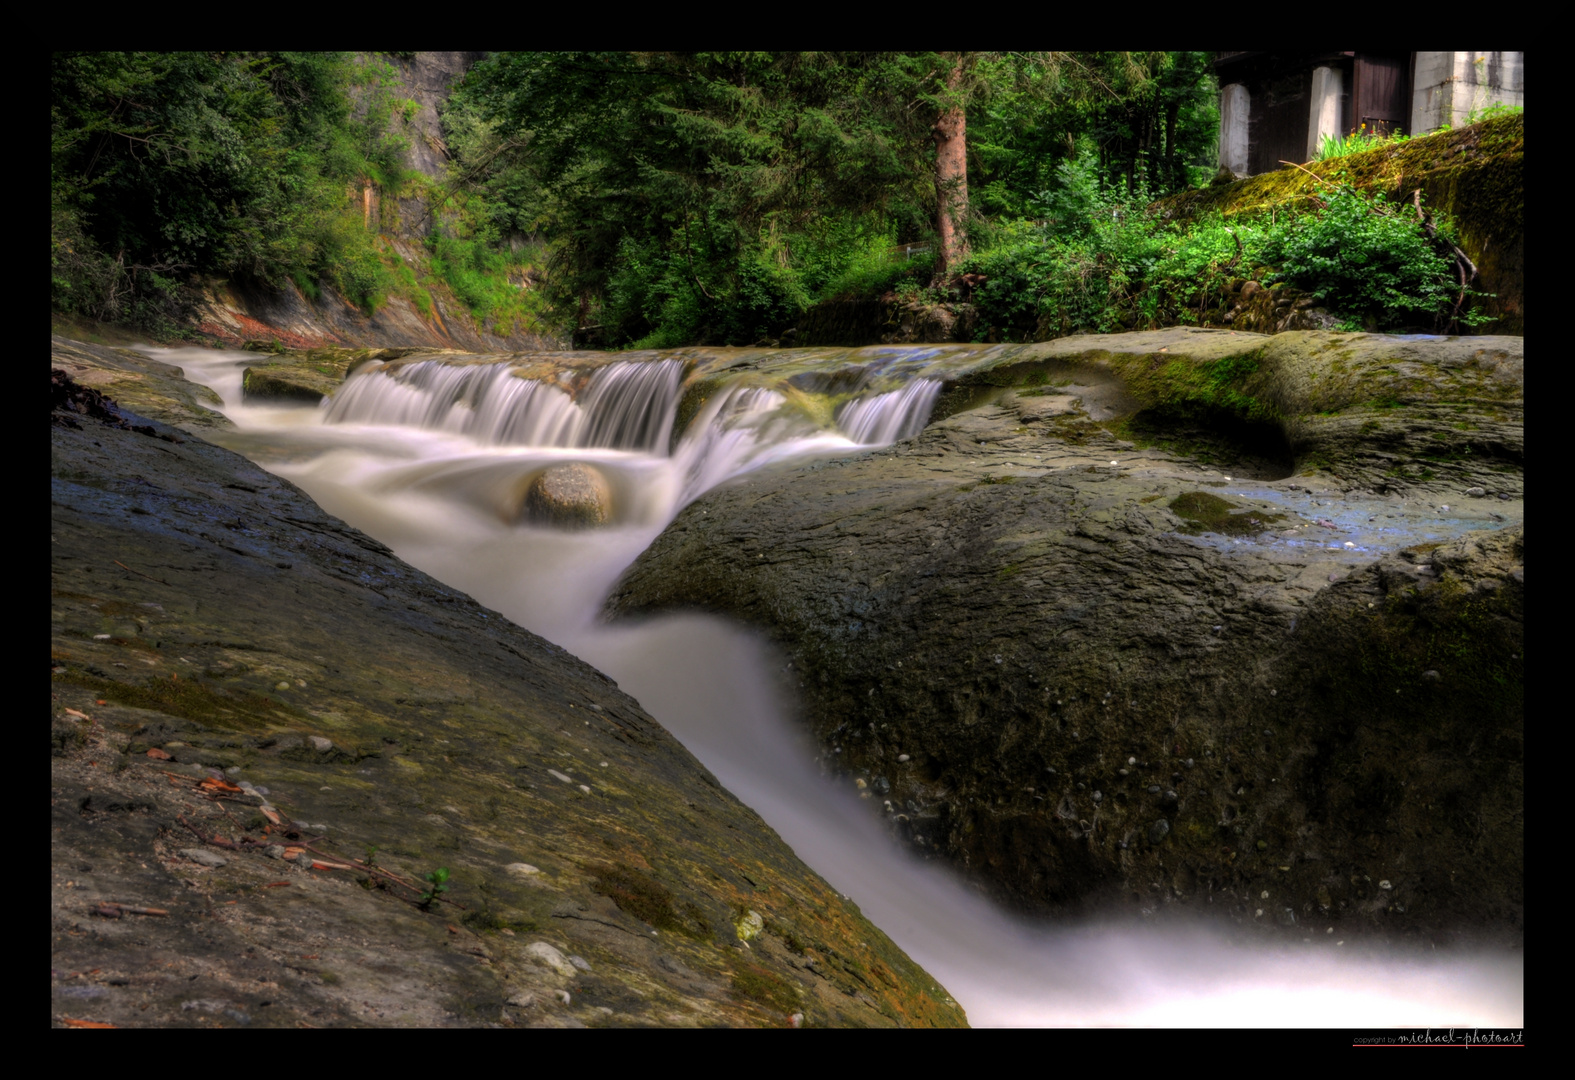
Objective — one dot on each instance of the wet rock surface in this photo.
(1093, 673)
(572, 496)
(267, 732)
(307, 377)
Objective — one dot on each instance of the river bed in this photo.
(435, 485)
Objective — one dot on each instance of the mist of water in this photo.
(425, 468)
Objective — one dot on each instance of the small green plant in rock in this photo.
(437, 885)
(1334, 146)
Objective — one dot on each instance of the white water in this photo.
(435, 489)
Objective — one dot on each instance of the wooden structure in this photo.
(1276, 106)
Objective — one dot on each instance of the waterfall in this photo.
(886, 418)
(624, 406)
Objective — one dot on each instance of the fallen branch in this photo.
(115, 911)
(1309, 172)
(1462, 260)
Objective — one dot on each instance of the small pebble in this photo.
(905, 757)
(1476, 492)
(1131, 761)
(1098, 795)
(1153, 789)
(204, 857)
(1386, 884)
(320, 744)
(1158, 831)
(1430, 674)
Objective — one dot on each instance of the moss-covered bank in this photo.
(1475, 175)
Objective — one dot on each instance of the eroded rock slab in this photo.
(1090, 673)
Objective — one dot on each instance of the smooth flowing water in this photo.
(430, 458)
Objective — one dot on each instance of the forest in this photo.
(651, 200)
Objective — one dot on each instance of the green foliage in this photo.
(1145, 118)
(1100, 260)
(1334, 146)
(1493, 111)
(249, 165)
(1096, 262)
(489, 280)
(711, 197)
(437, 885)
(1364, 256)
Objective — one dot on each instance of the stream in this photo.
(431, 458)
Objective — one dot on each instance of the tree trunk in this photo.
(1171, 183)
(951, 183)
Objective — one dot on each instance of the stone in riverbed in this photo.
(574, 496)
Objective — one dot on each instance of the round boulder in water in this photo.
(572, 496)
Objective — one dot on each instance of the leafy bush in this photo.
(1098, 261)
(1365, 257)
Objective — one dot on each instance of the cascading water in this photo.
(625, 406)
(418, 456)
(886, 418)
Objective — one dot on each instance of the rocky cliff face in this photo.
(267, 733)
(233, 314)
(1093, 672)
